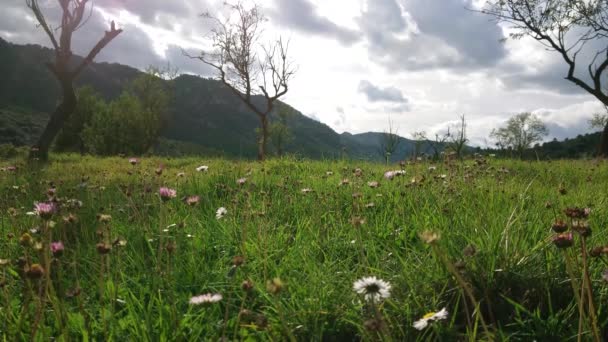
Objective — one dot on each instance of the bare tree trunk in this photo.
(603, 149)
(264, 138)
(56, 122)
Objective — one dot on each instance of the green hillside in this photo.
(205, 116)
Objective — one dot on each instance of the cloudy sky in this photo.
(419, 63)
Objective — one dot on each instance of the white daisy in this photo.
(429, 317)
(372, 288)
(202, 168)
(206, 299)
(220, 213)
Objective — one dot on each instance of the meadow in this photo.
(119, 249)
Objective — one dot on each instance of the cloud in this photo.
(301, 15)
(426, 34)
(379, 94)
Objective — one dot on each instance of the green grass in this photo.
(309, 241)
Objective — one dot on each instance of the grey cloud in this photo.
(176, 56)
(301, 15)
(425, 34)
(153, 10)
(378, 94)
(132, 47)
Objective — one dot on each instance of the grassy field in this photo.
(295, 238)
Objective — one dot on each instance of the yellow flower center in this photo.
(428, 315)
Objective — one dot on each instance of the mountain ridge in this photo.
(204, 111)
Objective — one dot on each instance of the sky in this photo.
(360, 63)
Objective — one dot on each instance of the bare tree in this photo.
(458, 139)
(567, 27)
(437, 145)
(419, 140)
(73, 12)
(389, 141)
(235, 41)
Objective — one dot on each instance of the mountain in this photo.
(205, 116)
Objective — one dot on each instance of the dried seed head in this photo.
(238, 261)
(35, 271)
(469, 251)
(559, 226)
(429, 237)
(373, 325)
(563, 240)
(25, 240)
(577, 213)
(357, 221)
(597, 252)
(582, 228)
(104, 218)
(275, 285)
(75, 292)
(103, 248)
(247, 285)
(171, 247)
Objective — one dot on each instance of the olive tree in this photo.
(520, 132)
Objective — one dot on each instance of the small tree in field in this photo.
(235, 58)
(572, 28)
(599, 120)
(63, 68)
(89, 104)
(520, 132)
(280, 134)
(419, 139)
(389, 141)
(458, 137)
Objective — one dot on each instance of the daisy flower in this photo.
(220, 213)
(208, 298)
(372, 288)
(429, 317)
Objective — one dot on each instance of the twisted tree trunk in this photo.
(56, 121)
(263, 141)
(603, 148)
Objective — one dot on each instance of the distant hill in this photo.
(205, 116)
(582, 146)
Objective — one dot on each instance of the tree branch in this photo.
(107, 38)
